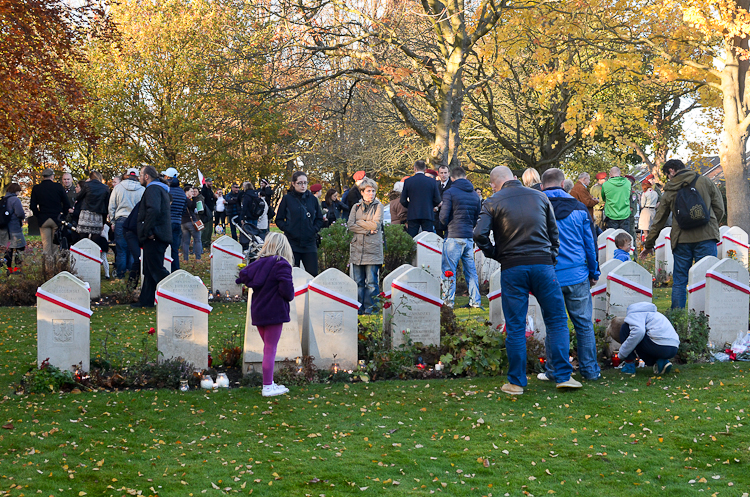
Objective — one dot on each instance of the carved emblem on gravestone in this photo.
(62, 330)
(334, 322)
(636, 278)
(735, 275)
(183, 327)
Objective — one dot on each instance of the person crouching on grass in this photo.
(270, 278)
(647, 334)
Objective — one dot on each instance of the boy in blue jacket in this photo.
(623, 244)
(576, 269)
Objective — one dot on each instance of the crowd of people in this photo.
(542, 229)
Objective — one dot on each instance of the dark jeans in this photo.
(619, 224)
(540, 280)
(135, 254)
(153, 270)
(208, 231)
(123, 259)
(647, 349)
(413, 225)
(309, 259)
(220, 218)
(176, 241)
(684, 254)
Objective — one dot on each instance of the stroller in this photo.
(65, 235)
(249, 238)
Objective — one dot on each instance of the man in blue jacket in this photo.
(576, 270)
(459, 214)
(421, 195)
(176, 208)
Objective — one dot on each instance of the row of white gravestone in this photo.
(733, 243)
(605, 244)
(323, 323)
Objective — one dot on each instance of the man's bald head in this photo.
(552, 177)
(499, 176)
(614, 172)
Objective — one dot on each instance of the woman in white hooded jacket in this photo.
(649, 335)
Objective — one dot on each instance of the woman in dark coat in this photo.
(333, 206)
(11, 238)
(300, 218)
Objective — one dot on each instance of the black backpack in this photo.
(690, 211)
(4, 213)
(256, 207)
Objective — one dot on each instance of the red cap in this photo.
(359, 175)
(601, 175)
(405, 178)
(316, 188)
(432, 172)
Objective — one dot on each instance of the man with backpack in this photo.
(696, 206)
(253, 207)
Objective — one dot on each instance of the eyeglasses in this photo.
(301, 183)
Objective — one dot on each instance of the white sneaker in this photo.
(273, 390)
(542, 376)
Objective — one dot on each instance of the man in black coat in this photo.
(209, 200)
(49, 203)
(420, 196)
(154, 233)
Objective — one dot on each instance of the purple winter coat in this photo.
(273, 288)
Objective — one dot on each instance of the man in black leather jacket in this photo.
(526, 245)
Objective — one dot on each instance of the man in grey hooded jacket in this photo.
(647, 334)
(124, 196)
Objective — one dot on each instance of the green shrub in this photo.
(470, 347)
(334, 247)
(693, 331)
(19, 287)
(46, 379)
(399, 247)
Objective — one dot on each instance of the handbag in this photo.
(198, 224)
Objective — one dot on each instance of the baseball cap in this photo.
(133, 171)
(601, 175)
(171, 172)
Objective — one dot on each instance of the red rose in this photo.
(151, 331)
(382, 295)
(387, 305)
(449, 274)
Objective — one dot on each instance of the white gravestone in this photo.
(182, 318)
(599, 291)
(301, 279)
(735, 238)
(489, 266)
(226, 254)
(87, 264)
(627, 284)
(289, 346)
(601, 245)
(429, 253)
(63, 321)
(387, 290)
(663, 251)
(610, 245)
(719, 244)
(727, 299)
(496, 302)
(534, 319)
(416, 308)
(696, 288)
(332, 301)
(478, 261)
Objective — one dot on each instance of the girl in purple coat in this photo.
(270, 278)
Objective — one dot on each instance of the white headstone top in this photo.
(697, 283)
(610, 245)
(87, 264)
(288, 347)
(496, 302)
(663, 251)
(429, 254)
(416, 308)
(63, 322)
(734, 244)
(727, 300)
(599, 291)
(182, 318)
(719, 244)
(601, 245)
(628, 283)
(387, 281)
(226, 254)
(333, 307)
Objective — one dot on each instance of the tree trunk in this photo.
(733, 140)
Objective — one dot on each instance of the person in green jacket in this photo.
(616, 196)
(687, 245)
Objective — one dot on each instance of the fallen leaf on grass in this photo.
(9, 426)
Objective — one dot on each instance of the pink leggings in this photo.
(270, 335)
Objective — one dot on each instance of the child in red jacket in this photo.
(270, 278)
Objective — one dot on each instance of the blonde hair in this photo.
(530, 177)
(367, 183)
(276, 244)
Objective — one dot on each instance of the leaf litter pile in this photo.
(672, 435)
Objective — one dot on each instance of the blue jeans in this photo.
(455, 249)
(123, 259)
(176, 241)
(540, 280)
(684, 254)
(366, 277)
(578, 302)
(188, 232)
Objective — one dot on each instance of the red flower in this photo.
(449, 274)
(598, 320)
(382, 295)
(151, 331)
(387, 305)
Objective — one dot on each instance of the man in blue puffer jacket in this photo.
(576, 269)
(459, 212)
(176, 208)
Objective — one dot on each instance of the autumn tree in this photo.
(40, 100)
